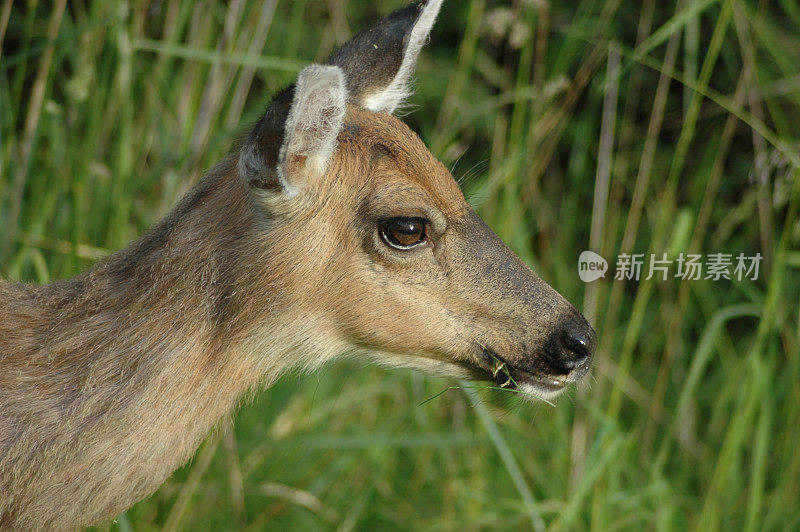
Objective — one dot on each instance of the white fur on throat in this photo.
(314, 121)
(389, 98)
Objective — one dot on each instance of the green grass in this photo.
(616, 126)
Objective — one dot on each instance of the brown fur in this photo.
(110, 381)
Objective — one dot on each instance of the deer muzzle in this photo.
(533, 338)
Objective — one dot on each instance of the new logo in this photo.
(591, 266)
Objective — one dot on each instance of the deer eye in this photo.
(403, 233)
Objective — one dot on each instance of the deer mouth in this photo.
(514, 377)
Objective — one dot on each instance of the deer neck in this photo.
(138, 358)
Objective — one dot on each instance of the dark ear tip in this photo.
(394, 28)
(408, 14)
(376, 52)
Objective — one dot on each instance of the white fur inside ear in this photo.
(314, 121)
(387, 99)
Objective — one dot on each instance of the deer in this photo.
(329, 229)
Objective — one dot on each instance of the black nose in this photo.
(575, 346)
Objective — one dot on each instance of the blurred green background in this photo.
(619, 126)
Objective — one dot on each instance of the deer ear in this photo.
(372, 70)
(296, 137)
(314, 122)
(379, 60)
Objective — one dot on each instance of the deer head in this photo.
(372, 241)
